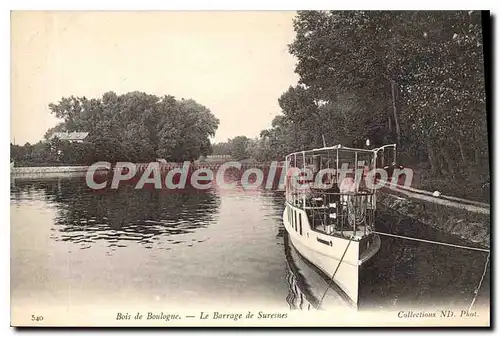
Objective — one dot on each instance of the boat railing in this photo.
(343, 214)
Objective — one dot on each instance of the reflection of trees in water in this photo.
(144, 215)
(25, 189)
(275, 200)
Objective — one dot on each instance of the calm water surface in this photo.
(71, 245)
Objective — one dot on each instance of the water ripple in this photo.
(119, 217)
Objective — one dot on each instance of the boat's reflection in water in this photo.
(309, 289)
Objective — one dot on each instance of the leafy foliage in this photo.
(414, 78)
(134, 127)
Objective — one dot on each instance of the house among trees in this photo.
(74, 137)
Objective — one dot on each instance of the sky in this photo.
(235, 63)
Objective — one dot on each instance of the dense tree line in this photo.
(242, 147)
(412, 78)
(134, 127)
(53, 152)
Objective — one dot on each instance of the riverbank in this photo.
(35, 172)
(469, 221)
(47, 169)
(52, 172)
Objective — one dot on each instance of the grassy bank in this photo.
(468, 185)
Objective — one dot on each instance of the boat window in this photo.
(295, 220)
(300, 223)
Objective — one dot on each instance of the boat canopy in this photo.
(339, 155)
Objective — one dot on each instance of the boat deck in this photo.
(358, 234)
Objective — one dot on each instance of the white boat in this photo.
(307, 286)
(330, 212)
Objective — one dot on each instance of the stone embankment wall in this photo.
(48, 172)
(48, 169)
(472, 226)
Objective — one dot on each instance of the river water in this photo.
(72, 246)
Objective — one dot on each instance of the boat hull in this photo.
(339, 257)
(308, 285)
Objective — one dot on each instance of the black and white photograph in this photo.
(306, 168)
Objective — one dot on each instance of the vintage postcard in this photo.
(250, 168)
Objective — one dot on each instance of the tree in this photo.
(414, 78)
(239, 146)
(137, 126)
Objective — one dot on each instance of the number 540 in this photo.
(36, 318)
